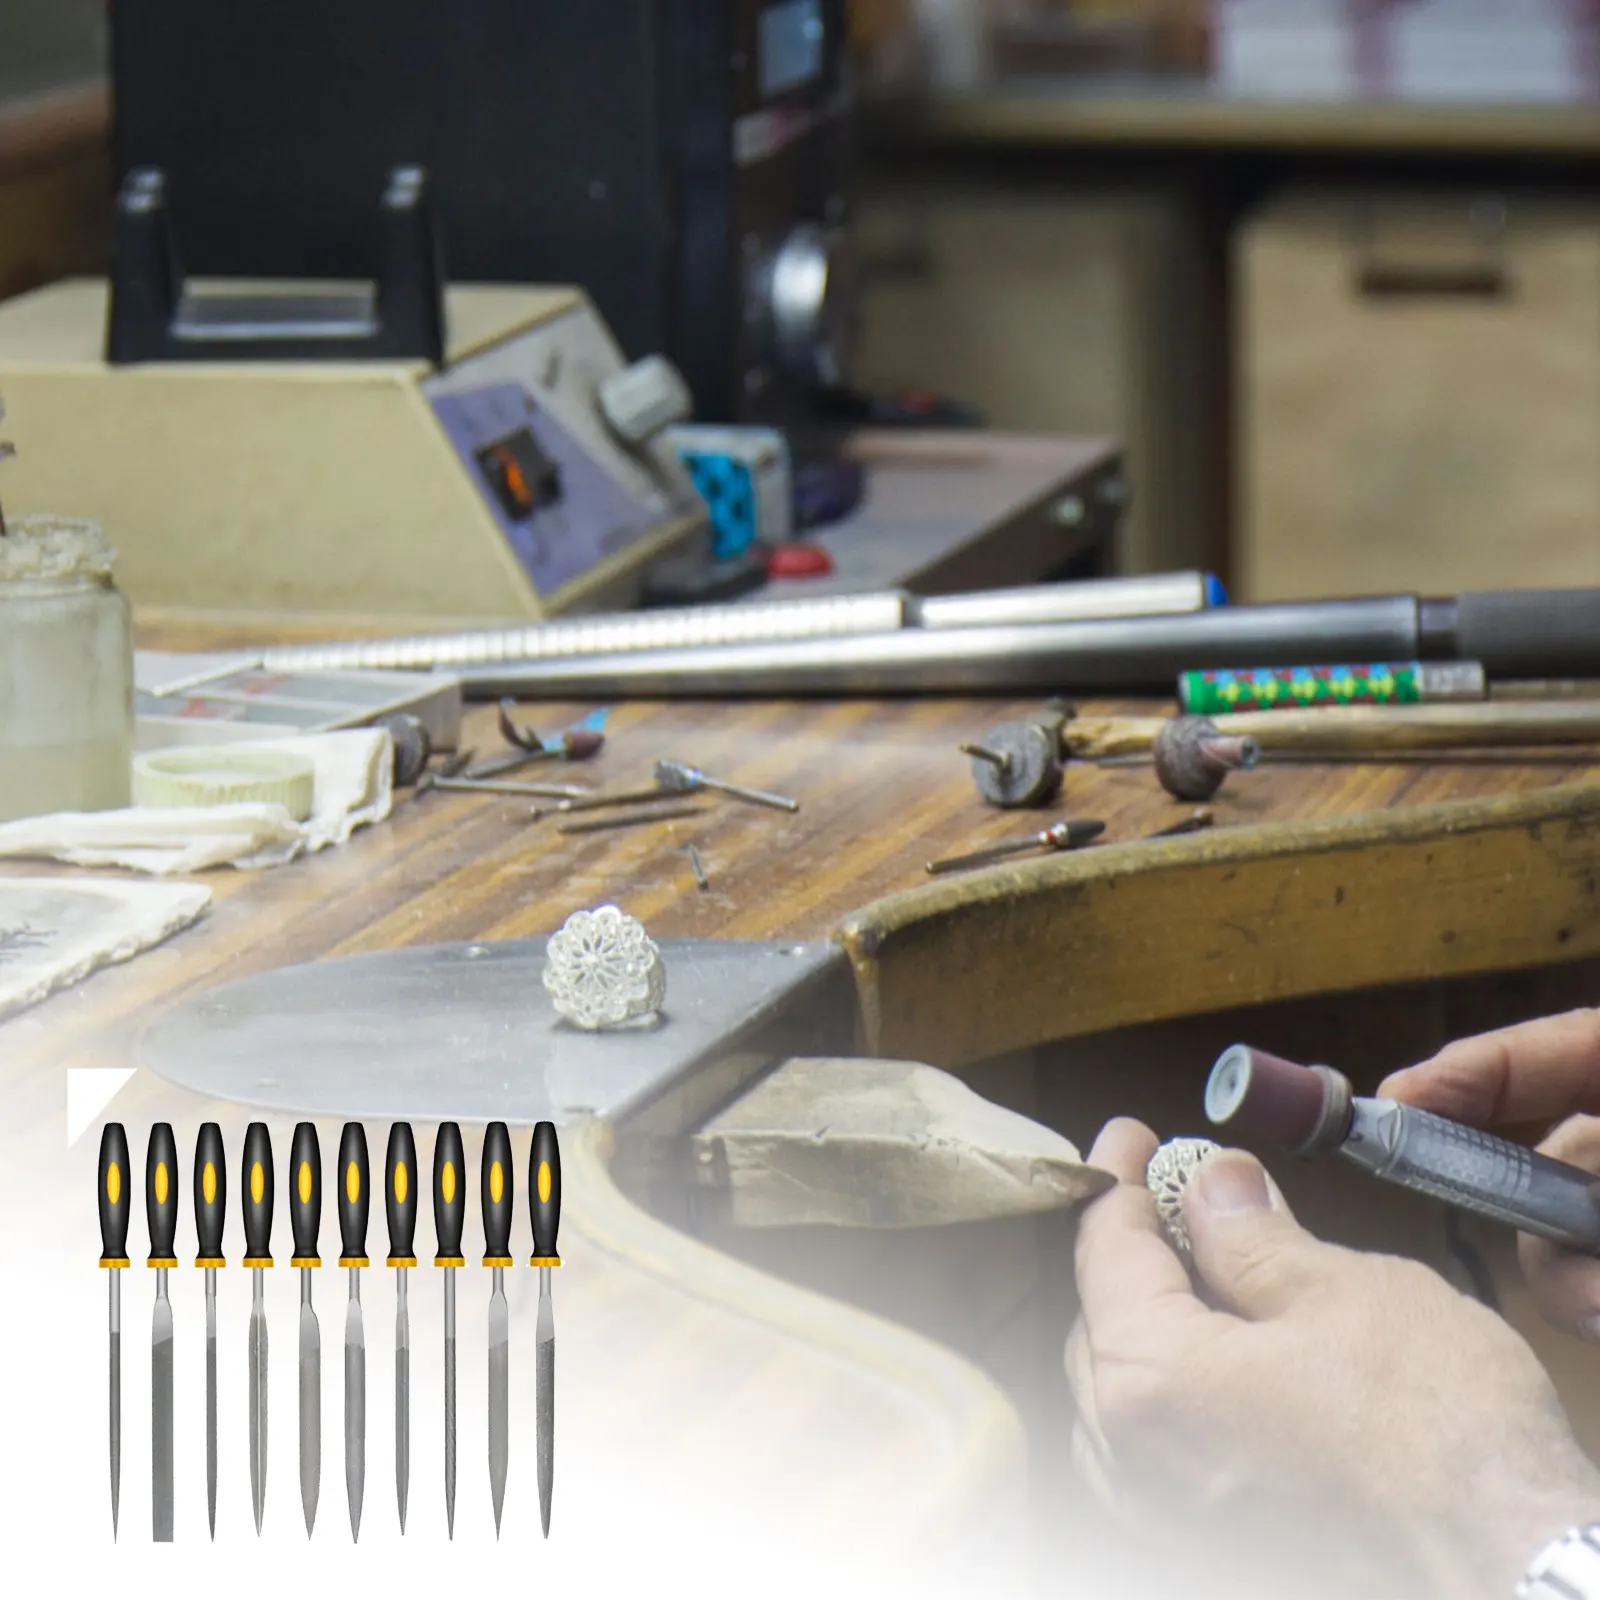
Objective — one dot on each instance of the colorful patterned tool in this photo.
(497, 1199)
(1380, 683)
(210, 1211)
(355, 1203)
(449, 1219)
(400, 1208)
(544, 1184)
(161, 1216)
(115, 1205)
(259, 1189)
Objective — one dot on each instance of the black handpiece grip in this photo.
(161, 1195)
(497, 1196)
(210, 1195)
(258, 1187)
(1531, 633)
(355, 1195)
(400, 1195)
(449, 1195)
(305, 1194)
(544, 1194)
(116, 1197)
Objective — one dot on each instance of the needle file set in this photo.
(353, 1203)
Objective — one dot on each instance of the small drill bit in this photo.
(685, 779)
(1059, 836)
(616, 797)
(6, 450)
(1195, 822)
(698, 868)
(632, 819)
(542, 791)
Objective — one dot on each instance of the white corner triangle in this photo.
(89, 1091)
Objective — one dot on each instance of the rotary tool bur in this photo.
(1311, 1111)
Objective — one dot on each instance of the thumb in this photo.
(1249, 1251)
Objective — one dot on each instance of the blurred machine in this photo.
(685, 161)
(526, 473)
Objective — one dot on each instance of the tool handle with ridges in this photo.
(257, 1187)
(449, 1195)
(355, 1195)
(544, 1194)
(305, 1194)
(497, 1194)
(115, 1195)
(400, 1195)
(210, 1195)
(161, 1195)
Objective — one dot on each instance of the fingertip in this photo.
(1124, 1148)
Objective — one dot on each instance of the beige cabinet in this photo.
(1418, 396)
(1052, 311)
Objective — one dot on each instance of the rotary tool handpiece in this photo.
(1311, 1111)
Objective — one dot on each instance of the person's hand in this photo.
(1538, 1072)
(1335, 1414)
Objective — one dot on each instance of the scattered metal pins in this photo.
(1059, 836)
(684, 779)
(632, 819)
(698, 868)
(1195, 822)
(544, 791)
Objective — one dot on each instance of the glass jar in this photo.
(66, 671)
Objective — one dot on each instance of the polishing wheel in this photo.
(1263, 1097)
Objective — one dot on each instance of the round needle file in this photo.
(305, 1217)
(449, 1216)
(161, 1214)
(115, 1204)
(497, 1203)
(400, 1208)
(210, 1210)
(544, 1184)
(355, 1201)
(259, 1189)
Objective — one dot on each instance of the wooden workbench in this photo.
(688, 1378)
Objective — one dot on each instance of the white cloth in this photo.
(54, 933)
(354, 786)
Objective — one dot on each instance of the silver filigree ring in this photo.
(1166, 1177)
(602, 970)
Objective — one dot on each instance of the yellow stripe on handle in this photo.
(544, 1183)
(258, 1183)
(497, 1182)
(113, 1183)
(447, 1183)
(305, 1183)
(402, 1184)
(352, 1182)
(161, 1183)
(208, 1184)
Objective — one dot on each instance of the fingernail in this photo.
(1589, 1328)
(1229, 1182)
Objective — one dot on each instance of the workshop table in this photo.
(696, 1377)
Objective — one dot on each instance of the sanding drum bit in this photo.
(1312, 1111)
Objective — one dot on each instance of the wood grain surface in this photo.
(727, 1380)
